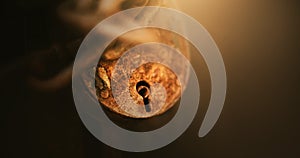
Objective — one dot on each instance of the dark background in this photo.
(260, 44)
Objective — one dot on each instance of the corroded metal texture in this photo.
(142, 78)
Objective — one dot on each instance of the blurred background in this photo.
(260, 45)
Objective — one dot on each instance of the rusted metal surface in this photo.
(142, 78)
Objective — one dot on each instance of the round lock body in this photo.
(142, 79)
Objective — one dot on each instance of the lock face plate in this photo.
(148, 74)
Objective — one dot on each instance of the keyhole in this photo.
(143, 88)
